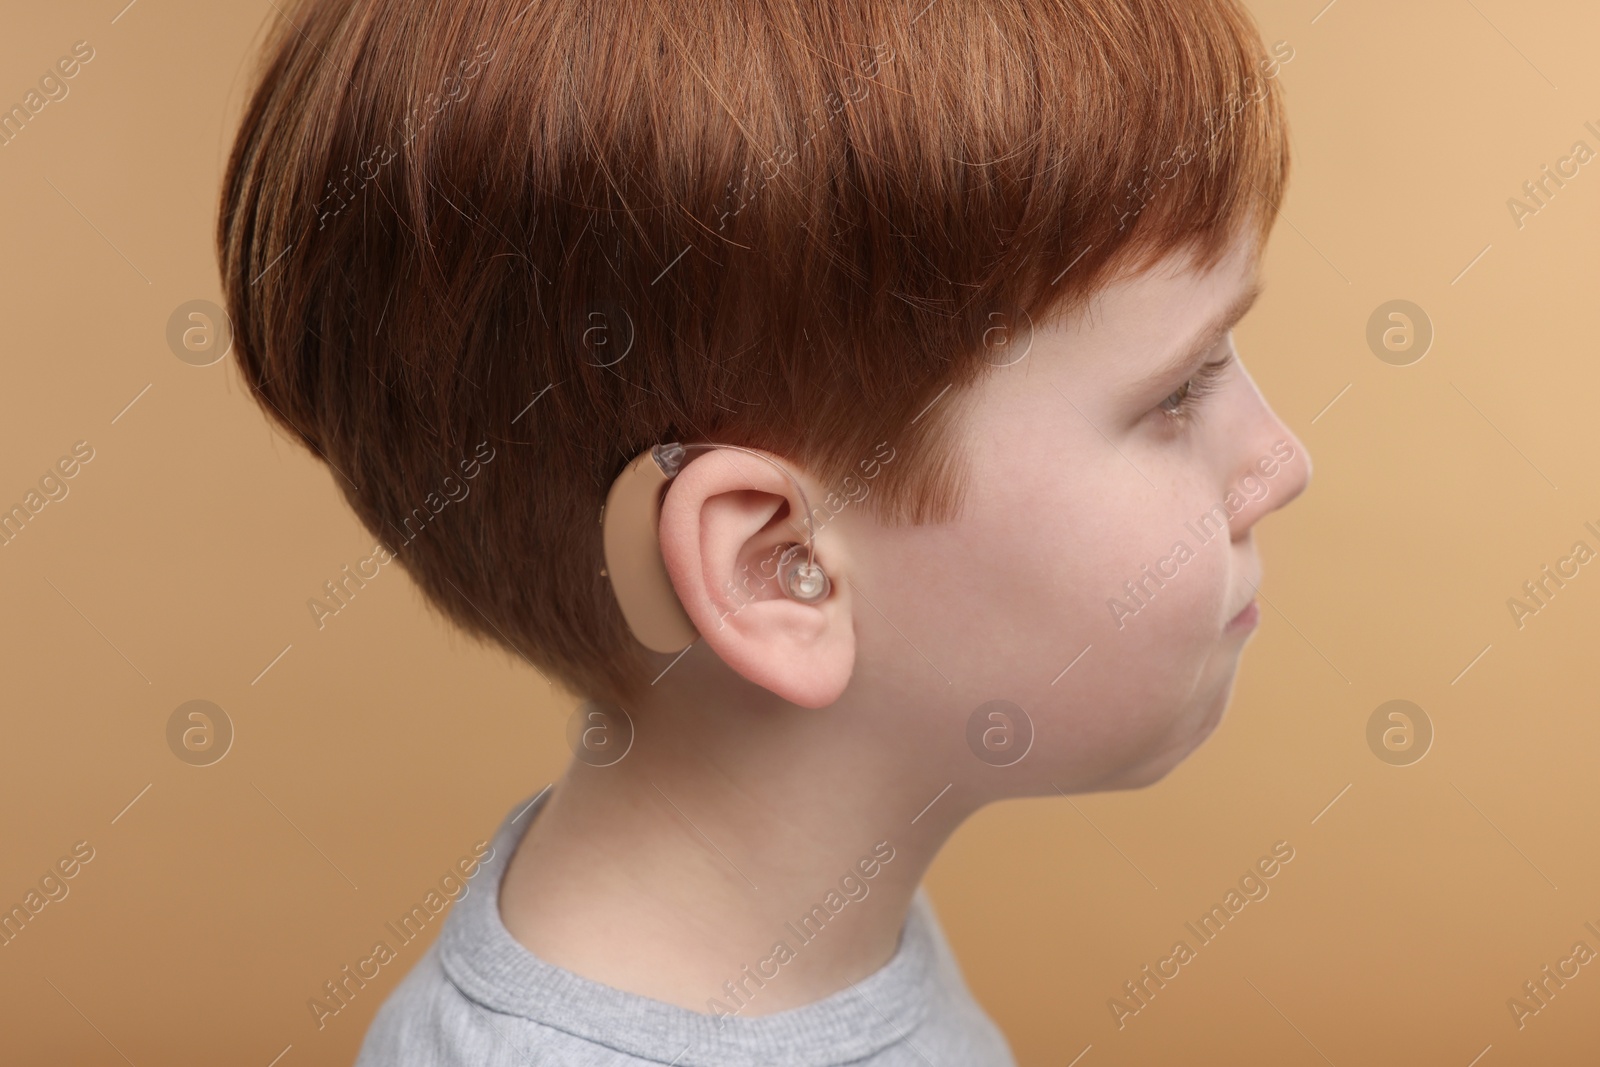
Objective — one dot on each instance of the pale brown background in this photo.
(374, 752)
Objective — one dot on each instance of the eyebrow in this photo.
(1206, 338)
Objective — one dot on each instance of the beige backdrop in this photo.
(370, 755)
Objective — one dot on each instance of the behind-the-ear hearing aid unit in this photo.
(630, 522)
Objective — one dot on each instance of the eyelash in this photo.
(1189, 395)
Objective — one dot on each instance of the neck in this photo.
(719, 837)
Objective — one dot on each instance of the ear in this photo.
(725, 522)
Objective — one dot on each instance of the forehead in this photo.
(1139, 319)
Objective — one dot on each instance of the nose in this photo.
(1273, 468)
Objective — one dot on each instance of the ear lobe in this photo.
(721, 537)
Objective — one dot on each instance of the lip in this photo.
(1247, 618)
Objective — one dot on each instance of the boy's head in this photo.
(937, 262)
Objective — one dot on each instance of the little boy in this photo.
(854, 429)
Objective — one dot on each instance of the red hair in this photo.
(572, 230)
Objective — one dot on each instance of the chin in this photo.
(1160, 764)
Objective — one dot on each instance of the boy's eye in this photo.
(1174, 403)
(1180, 404)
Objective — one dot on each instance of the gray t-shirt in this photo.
(477, 997)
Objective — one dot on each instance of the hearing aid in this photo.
(630, 532)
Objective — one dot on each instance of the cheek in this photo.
(1162, 580)
(1131, 569)
(1153, 627)
(997, 604)
(1034, 582)
(1124, 572)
